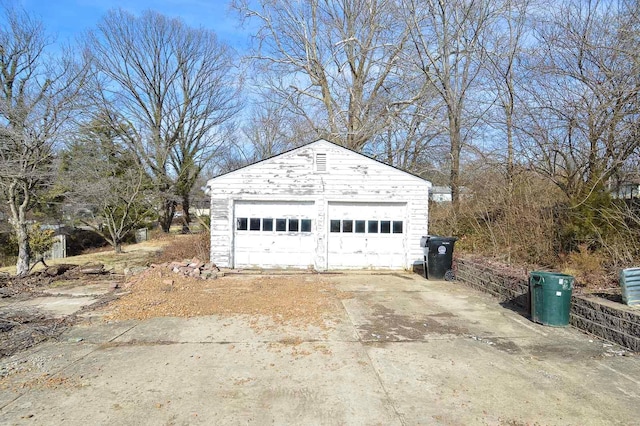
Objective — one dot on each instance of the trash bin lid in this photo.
(546, 274)
(436, 240)
(545, 278)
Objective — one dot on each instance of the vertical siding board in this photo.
(221, 221)
(350, 177)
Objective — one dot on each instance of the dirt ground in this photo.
(157, 292)
(22, 327)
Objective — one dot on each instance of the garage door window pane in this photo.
(254, 224)
(294, 225)
(335, 226)
(305, 225)
(281, 225)
(241, 224)
(397, 227)
(360, 226)
(372, 227)
(267, 225)
(347, 226)
(385, 226)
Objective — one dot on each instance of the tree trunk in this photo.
(166, 217)
(510, 180)
(186, 216)
(454, 179)
(117, 247)
(18, 201)
(24, 251)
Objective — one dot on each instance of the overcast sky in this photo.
(69, 18)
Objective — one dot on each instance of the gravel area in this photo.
(299, 300)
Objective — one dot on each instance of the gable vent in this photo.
(321, 162)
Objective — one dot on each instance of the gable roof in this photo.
(312, 143)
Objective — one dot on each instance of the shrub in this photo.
(515, 227)
(586, 266)
(186, 247)
(531, 223)
(40, 241)
(8, 249)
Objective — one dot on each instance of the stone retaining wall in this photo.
(611, 321)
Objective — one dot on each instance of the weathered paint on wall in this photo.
(292, 176)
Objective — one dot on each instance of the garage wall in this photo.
(294, 176)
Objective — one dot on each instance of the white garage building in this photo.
(319, 206)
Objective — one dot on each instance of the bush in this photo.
(538, 227)
(186, 247)
(515, 227)
(40, 241)
(586, 266)
(8, 249)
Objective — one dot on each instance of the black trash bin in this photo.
(438, 257)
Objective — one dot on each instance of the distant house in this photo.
(318, 206)
(440, 194)
(629, 189)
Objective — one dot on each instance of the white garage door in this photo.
(367, 235)
(274, 234)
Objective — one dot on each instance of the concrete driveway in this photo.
(403, 351)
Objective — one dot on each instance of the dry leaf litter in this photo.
(285, 299)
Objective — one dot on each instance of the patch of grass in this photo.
(132, 255)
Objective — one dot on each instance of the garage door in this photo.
(367, 235)
(274, 234)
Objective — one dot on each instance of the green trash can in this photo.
(550, 296)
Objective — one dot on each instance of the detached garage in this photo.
(319, 206)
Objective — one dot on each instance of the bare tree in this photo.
(173, 87)
(413, 141)
(504, 50)
(582, 101)
(37, 97)
(447, 39)
(333, 63)
(268, 132)
(271, 129)
(584, 104)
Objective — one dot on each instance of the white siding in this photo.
(292, 176)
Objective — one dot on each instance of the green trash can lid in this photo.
(547, 274)
(551, 279)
